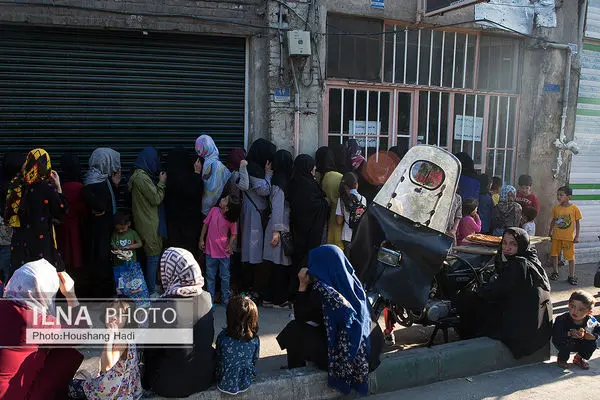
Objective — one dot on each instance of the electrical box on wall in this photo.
(299, 43)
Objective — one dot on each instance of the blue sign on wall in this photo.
(377, 3)
(550, 87)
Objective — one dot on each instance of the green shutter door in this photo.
(76, 90)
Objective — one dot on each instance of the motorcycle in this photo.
(401, 252)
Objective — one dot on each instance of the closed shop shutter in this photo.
(585, 179)
(76, 90)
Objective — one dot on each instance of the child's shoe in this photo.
(580, 362)
(562, 364)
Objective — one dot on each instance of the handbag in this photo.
(287, 243)
(264, 214)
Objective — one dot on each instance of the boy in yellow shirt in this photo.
(564, 231)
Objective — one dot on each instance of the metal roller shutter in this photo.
(76, 90)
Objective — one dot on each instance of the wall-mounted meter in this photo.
(299, 43)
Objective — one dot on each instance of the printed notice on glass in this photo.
(473, 128)
(361, 129)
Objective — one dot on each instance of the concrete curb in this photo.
(399, 370)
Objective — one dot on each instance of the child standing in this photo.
(564, 231)
(507, 214)
(350, 208)
(528, 220)
(470, 222)
(495, 189)
(576, 331)
(124, 238)
(525, 196)
(238, 347)
(217, 240)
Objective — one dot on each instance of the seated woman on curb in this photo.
(29, 371)
(180, 372)
(332, 325)
(515, 306)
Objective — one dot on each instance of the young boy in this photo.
(576, 331)
(564, 231)
(495, 189)
(124, 238)
(525, 196)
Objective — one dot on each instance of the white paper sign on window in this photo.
(473, 128)
(359, 128)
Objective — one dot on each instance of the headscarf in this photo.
(180, 273)
(341, 157)
(346, 316)
(355, 154)
(37, 168)
(235, 157)
(34, 286)
(527, 253)
(214, 174)
(260, 152)
(149, 162)
(325, 160)
(12, 163)
(506, 189)
(103, 164)
(70, 169)
(283, 163)
(468, 166)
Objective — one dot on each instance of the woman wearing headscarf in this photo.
(180, 372)
(515, 306)
(34, 203)
(330, 183)
(486, 204)
(507, 212)
(214, 174)
(332, 325)
(30, 371)
(146, 197)
(183, 195)
(324, 162)
(356, 156)
(278, 225)
(238, 166)
(69, 232)
(100, 195)
(468, 184)
(256, 201)
(308, 210)
(12, 162)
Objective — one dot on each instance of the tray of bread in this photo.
(484, 240)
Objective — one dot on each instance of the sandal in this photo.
(554, 276)
(580, 362)
(573, 280)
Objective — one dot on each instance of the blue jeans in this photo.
(151, 268)
(222, 266)
(4, 263)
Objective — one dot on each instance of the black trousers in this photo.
(303, 343)
(585, 348)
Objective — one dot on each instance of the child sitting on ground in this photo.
(350, 208)
(217, 241)
(576, 331)
(528, 220)
(507, 214)
(495, 189)
(470, 222)
(564, 231)
(124, 238)
(238, 347)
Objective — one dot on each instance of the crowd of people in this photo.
(265, 229)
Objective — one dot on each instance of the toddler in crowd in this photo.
(507, 214)
(124, 238)
(576, 331)
(495, 189)
(350, 208)
(217, 240)
(525, 196)
(470, 222)
(238, 347)
(564, 231)
(528, 220)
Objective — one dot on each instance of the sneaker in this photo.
(580, 362)
(389, 339)
(562, 364)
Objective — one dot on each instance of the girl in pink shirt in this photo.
(470, 222)
(217, 241)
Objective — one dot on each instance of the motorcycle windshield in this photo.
(422, 187)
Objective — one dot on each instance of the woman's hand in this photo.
(276, 239)
(56, 180)
(244, 163)
(198, 166)
(116, 178)
(304, 280)
(268, 168)
(162, 177)
(67, 288)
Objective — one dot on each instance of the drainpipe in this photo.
(296, 109)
